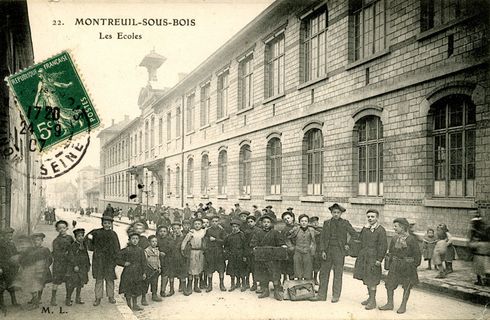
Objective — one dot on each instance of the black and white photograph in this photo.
(244, 159)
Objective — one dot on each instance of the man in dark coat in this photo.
(8, 269)
(109, 211)
(213, 253)
(105, 245)
(333, 246)
(187, 212)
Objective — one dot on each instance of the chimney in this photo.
(126, 117)
(181, 75)
(112, 122)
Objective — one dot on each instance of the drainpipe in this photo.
(182, 152)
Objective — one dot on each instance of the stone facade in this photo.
(406, 73)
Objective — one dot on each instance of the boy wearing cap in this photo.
(195, 238)
(154, 268)
(270, 212)
(248, 230)
(267, 271)
(8, 269)
(288, 265)
(165, 244)
(186, 227)
(78, 267)
(105, 245)
(214, 259)
(256, 212)
(317, 258)
(333, 246)
(133, 276)
(177, 262)
(61, 244)
(303, 239)
(235, 252)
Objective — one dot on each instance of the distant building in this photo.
(61, 194)
(92, 195)
(87, 178)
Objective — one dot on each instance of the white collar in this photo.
(372, 227)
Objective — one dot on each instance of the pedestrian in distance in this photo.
(105, 246)
(133, 260)
(234, 246)
(404, 257)
(78, 267)
(302, 238)
(195, 241)
(373, 246)
(153, 270)
(213, 253)
(334, 245)
(61, 245)
(428, 244)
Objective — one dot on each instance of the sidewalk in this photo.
(107, 311)
(458, 284)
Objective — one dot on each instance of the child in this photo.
(34, 270)
(152, 254)
(177, 262)
(186, 227)
(214, 259)
(303, 239)
(429, 243)
(133, 276)
(78, 267)
(164, 246)
(8, 269)
(288, 265)
(249, 230)
(61, 244)
(203, 277)
(450, 254)
(317, 259)
(235, 252)
(196, 257)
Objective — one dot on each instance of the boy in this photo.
(303, 239)
(78, 267)
(164, 246)
(152, 254)
(61, 244)
(105, 245)
(214, 259)
(288, 265)
(186, 227)
(317, 258)
(249, 230)
(235, 252)
(133, 276)
(196, 257)
(267, 271)
(8, 269)
(177, 262)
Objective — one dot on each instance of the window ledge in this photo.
(205, 126)
(190, 196)
(177, 196)
(222, 119)
(244, 197)
(204, 196)
(177, 139)
(312, 199)
(270, 99)
(435, 30)
(450, 203)
(244, 110)
(368, 59)
(367, 200)
(223, 196)
(190, 132)
(312, 82)
(169, 142)
(273, 197)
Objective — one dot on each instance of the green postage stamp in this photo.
(54, 101)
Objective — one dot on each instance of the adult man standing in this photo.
(105, 245)
(333, 246)
(109, 211)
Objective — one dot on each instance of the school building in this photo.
(369, 103)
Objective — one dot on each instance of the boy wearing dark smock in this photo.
(8, 269)
(213, 253)
(234, 246)
(164, 246)
(249, 229)
(288, 265)
(177, 267)
(78, 267)
(61, 244)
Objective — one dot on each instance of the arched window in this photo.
(177, 181)
(245, 169)
(147, 132)
(190, 176)
(370, 156)
(313, 161)
(222, 171)
(204, 174)
(274, 165)
(454, 124)
(169, 176)
(152, 133)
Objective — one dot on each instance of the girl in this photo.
(429, 243)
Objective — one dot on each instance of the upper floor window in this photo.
(274, 66)
(169, 126)
(141, 142)
(190, 176)
(370, 156)
(177, 181)
(205, 104)
(274, 165)
(439, 12)
(313, 161)
(190, 112)
(454, 125)
(315, 45)
(204, 174)
(177, 122)
(245, 82)
(245, 164)
(223, 84)
(152, 133)
(222, 171)
(169, 176)
(369, 27)
(160, 131)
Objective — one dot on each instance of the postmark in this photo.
(55, 103)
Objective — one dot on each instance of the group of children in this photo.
(438, 248)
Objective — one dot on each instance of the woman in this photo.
(404, 256)
(372, 251)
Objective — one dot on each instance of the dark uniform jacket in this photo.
(105, 245)
(77, 257)
(343, 227)
(61, 244)
(132, 282)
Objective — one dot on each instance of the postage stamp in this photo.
(54, 101)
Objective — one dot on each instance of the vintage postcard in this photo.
(235, 159)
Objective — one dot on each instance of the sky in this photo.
(109, 67)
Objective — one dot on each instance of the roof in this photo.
(115, 127)
(94, 189)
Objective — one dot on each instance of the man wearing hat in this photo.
(270, 212)
(211, 210)
(8, 270)
(105, 245)
(109, 211)
(248, 230)
(333, 246)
